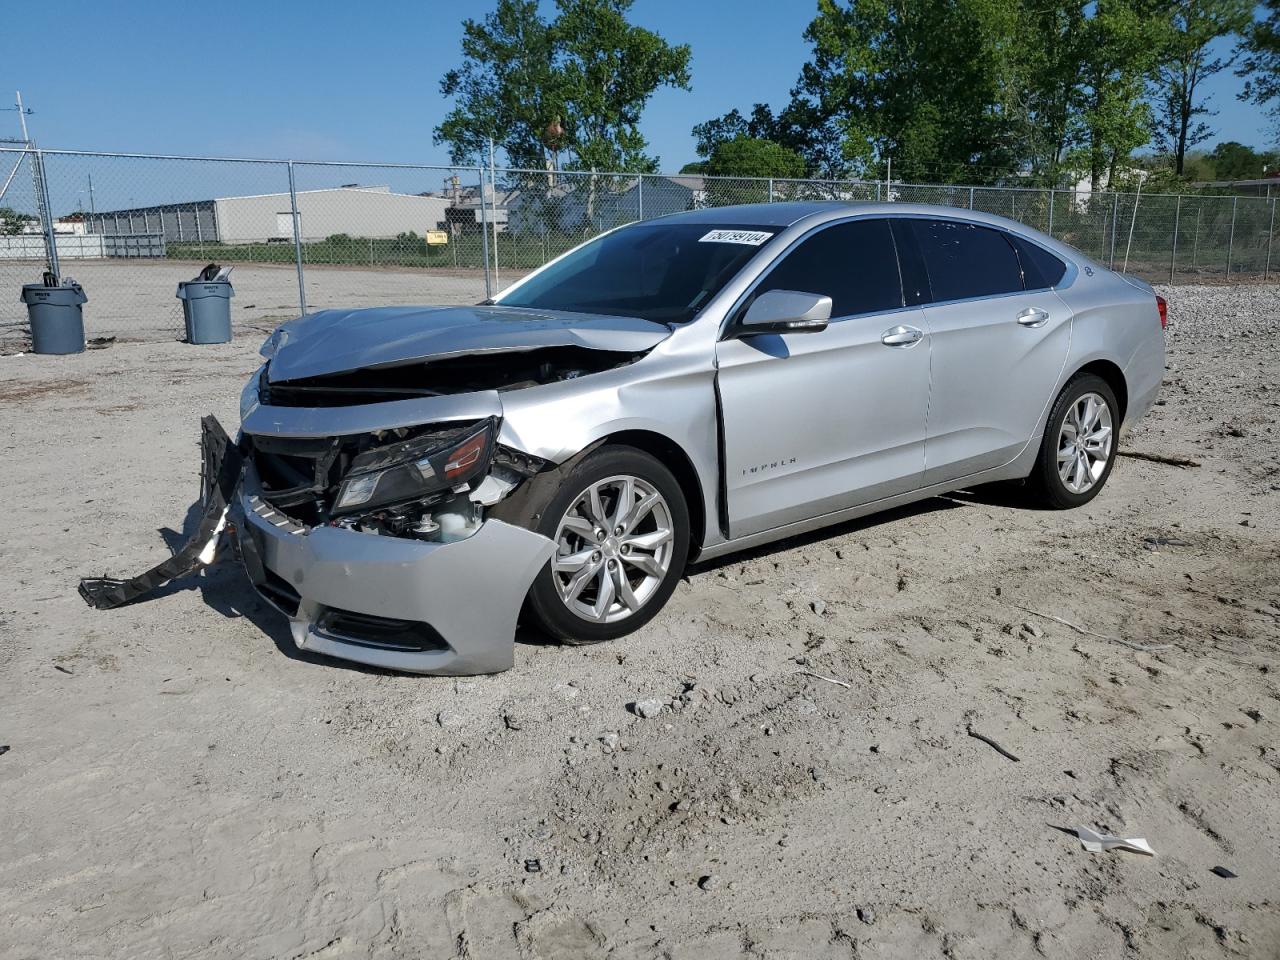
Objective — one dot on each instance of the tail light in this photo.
(1163, 307)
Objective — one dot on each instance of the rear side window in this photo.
(852, 263)
(964, 260)
(1040, 268)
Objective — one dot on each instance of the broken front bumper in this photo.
(412, 605)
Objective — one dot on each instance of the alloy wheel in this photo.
(613, 549)
(1084, 443)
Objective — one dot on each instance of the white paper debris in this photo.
(752, 238)
(1101, 842)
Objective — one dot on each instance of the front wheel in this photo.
(621, 529)
(1079, 445)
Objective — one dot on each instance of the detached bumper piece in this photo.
(219, 476)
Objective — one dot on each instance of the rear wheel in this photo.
(1078, 449)
(621, 529)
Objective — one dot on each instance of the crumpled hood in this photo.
(334, 341)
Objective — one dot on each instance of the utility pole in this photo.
(22, 115)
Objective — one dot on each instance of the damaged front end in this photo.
(360, 491)
(404, 482)
(376, 543)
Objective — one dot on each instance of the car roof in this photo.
(786, 213)
(814, 212)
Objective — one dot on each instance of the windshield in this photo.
(664, 272)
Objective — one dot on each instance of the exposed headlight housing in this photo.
(412, 469)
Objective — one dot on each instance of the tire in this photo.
(1072, 482)
(567, 515)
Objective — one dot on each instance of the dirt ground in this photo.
(181, 782)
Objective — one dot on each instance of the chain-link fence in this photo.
(308, 235)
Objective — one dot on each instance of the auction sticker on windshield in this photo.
(752, 238)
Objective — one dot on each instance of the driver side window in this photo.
(853, 263)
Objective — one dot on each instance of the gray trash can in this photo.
(57, 321)
(206, 308)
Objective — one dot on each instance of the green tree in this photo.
(924, 83)
(1260, 59)
(745, 156)
(590, 67)
(1047, 95)
(750, 157)
(12, 222)
(1184, 64)
(1119, 54)
(507, 88)
(1235, 161)
(796, 127)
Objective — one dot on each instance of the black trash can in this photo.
(206, 308)
(57, 320)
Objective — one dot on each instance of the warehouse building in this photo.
(354, 210)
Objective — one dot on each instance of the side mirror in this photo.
(786, 311)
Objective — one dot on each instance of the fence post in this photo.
(1133, 222)
(1177, 219)
(771, 189)
(484, 235)
(1115, 223)
(297, 239)
(971, 198)
(493, 186)
(1271, 231)
(1195, 239)
(46, 212)
(1231, 237)
(1050, 230)
(640, 195)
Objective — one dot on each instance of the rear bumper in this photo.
(1144, 374)
(411, 605)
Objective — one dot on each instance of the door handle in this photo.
(901, 336)
(1033, 317)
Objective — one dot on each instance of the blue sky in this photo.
(338, 81)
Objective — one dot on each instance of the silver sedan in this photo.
(418, 479)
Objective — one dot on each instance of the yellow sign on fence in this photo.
(436, 238)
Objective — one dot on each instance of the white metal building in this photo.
(357, 211)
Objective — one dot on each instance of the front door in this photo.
(816, 422)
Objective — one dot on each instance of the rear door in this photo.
(999, 343)
(815, 422)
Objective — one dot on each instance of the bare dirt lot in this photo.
(182, 783)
